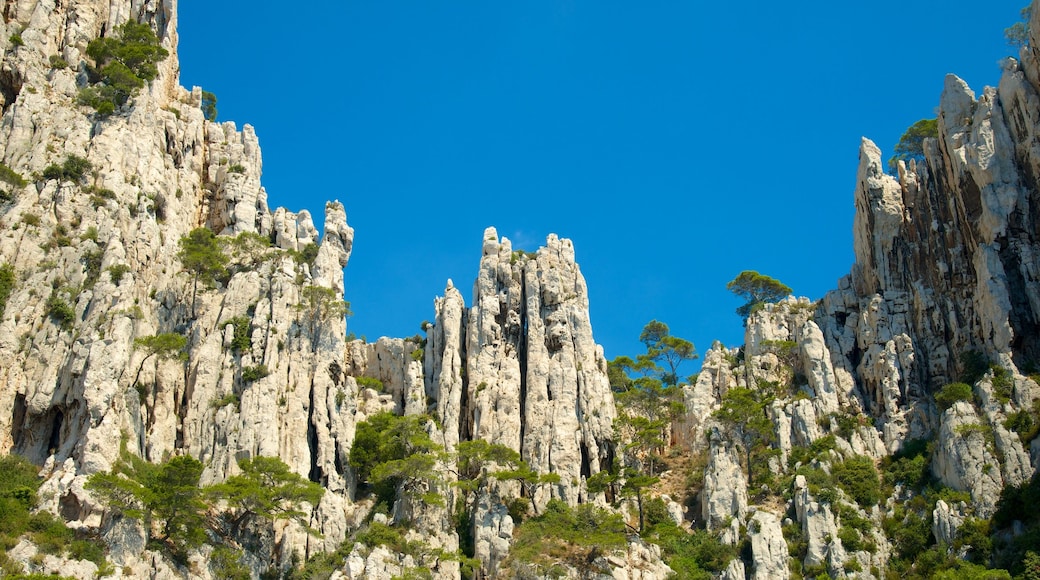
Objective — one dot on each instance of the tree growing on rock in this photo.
(911, 143)
(162, 346)
(124, 62)
(266, 489)
(1017, 34)
(743, 414)
(756, 289)
(202, 256)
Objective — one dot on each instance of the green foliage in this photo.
(164, 346)
(123, 64)
(696, 555)
(57, 62)
(209, 106)
(30, 219)
(909, 467)
(225, 401)
(267, 489)
(254, 373)
(242, 338)
(952, 393)
(756, 289)
(226, 564)
(743, 413)
(1018, 507)
(116, 272)
(16, 39)
(237, 168)
(667, 352)
(1025, 423)
(7, 284)
(1003, 383)
(563, 534)
(305, 255)
(321, 306)
(166, 496)
(60, 310)
(974, 365)
(74, 169)
(858, 478)
(390, 451)
(11, 177)
(201, 255)
(911, 143)
(1017, 34)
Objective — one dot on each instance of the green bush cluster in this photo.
(179, 513)
(11, 177)
(909, 466)
(242, 339)
(370, 383)
(19, 484)
(952, 393)
(858, 478)
(7, 284)
(60, 310)
(1003, 383)
(74, 169)
(254, 373)
(568, 535)
(124, 63)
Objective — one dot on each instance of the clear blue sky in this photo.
(676, 143)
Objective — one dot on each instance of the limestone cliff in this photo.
(945, 280)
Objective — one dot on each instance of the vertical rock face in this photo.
(537, 382)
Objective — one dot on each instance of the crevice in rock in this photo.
(10, 87)
(18, 419)
(465, 433)
(314, 474)
(586, 468)
(54, 440)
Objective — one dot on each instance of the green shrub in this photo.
(58, 62)
(908, 467)
(254, 373)
(370, 383)
(16, 39)
(11, 177)
(1025, 423)
(237, 168)
(952, 393)
(7, 284)
(858, 478)
(30, 219)
(974, 365)
(226, 564)
(74, 168)
(209, 106)
(242, 341)
(124, 63)
(228, 399)
(1003, 383)
(116, 272)
(60, 311)
(567, 534)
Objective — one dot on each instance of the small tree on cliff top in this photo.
(757, 289)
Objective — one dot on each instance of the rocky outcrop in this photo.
(768, 548)
(537, 382)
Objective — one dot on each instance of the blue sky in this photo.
(676, 143)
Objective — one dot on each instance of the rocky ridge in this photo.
(947, 260)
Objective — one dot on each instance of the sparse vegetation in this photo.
(953, 393)
(254, 373)
(74, 169)
(911, 143)
(124, 63)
